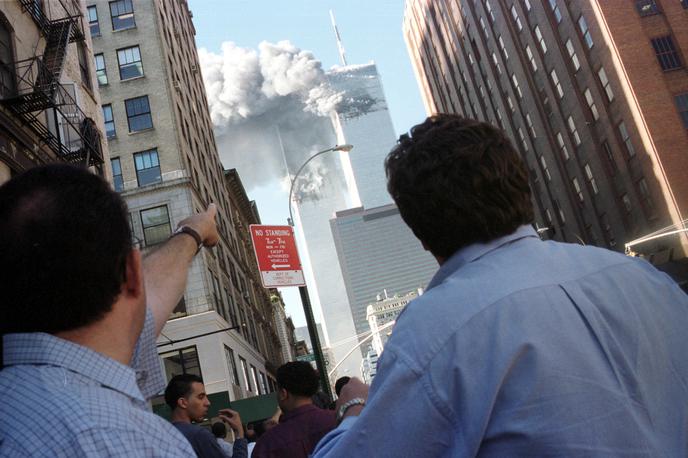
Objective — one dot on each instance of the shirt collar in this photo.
(45, 349)
(286, 416)
(475, 251)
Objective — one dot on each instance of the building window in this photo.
(109, 121)
(156, 225)
(560, 212)
(531, 128)
(122, 13)
(117, 179)
(247, 377)
(605, 83)
(147, 167)
(626, 203)
(573, 131)
(496, 62)
(516, 86)
(545, 169)
(647, 7)
(138, 114)
(526, 3)
(264, 383)
(83, 65)
(484, 27)
(626, 139)
(254, 378)
(101, 72)
(666, 53)
(514, 13)
(501, 45)
(572, 55)
(8, 85)
(591, 179)
(555, 10)
(682, 105)
(583, 26)
(591, 104)
(541, 39)
(510, 103)
(531, 58)
(183, 361)
(646, 197)
(500, 119)
(130, 65)
(557, 83)
(577, 188)
(231, 364)
(608, 158)
(523, 139)
(562, 146)
(93, 21)
(488, 7)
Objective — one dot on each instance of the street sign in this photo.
(308, 357)
(277, 256)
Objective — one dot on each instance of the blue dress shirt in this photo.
(522, 347)
(60, 399)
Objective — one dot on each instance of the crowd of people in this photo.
(519, 346)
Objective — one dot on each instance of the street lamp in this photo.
(303, 290)
(345, 147)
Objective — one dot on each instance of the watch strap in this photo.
(192, 232)
(348, 404)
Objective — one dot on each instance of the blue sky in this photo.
(370, 30)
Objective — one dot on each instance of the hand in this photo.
(233, 419)
(204, 223)
(353, 389)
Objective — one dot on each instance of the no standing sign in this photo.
(277, 256)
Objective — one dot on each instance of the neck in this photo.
(180, 416)
(299, 402)
(104, 337)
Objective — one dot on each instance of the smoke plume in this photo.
(270, 109)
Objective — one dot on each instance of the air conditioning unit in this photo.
(194, 69)
(177, 85)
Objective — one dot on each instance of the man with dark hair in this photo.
(302, 424)
(519, 347)
(186, 396)
(80, 314)
(220, 432)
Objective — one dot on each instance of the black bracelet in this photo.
(189, 231)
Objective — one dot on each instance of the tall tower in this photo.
(593, 93)
(166, 165)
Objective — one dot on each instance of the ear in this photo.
(133, 283)
(182, 403)
(283, 394)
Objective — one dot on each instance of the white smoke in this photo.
(270, 109)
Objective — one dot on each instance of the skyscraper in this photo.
(349, 180)
(378, 255)
(593, 93)
(165, 164)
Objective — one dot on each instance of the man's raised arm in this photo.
(166, 269)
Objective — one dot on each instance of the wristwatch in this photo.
(350, 403)
(192, 233)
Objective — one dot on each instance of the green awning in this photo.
(250, 409)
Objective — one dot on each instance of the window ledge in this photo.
(141, 131)
(123, 30)
(132, 79)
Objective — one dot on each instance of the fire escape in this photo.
(40, 101)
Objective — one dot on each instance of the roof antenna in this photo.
(340, 46)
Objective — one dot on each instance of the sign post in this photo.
(279, 265)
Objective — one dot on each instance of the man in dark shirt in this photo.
(185, 394)
(302, 425)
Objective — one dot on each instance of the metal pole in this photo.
(315, 341)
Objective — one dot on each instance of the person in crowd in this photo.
(220, 432)
(80, 314)
(302, 424)
(519, 347)
(185, 395)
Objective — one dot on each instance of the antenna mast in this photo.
(340, 46)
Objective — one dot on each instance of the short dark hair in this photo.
(339, 384)
(219, 430)
(298, 378)
(180, 387)
(64, 242)
(458, 181)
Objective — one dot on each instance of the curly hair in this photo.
(458, 181)
(298, 378)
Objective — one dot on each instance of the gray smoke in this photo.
(270, 109)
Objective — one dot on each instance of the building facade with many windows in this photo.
(49, 101)
(593, 93)
(165, 164)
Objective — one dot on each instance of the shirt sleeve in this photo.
(240, 448)
(146, 362)
(401, 414)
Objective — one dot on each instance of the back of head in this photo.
(64, 240)
(298, 378)
(458, 181)
(339, 384)
(219, 430)
(180, 386)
